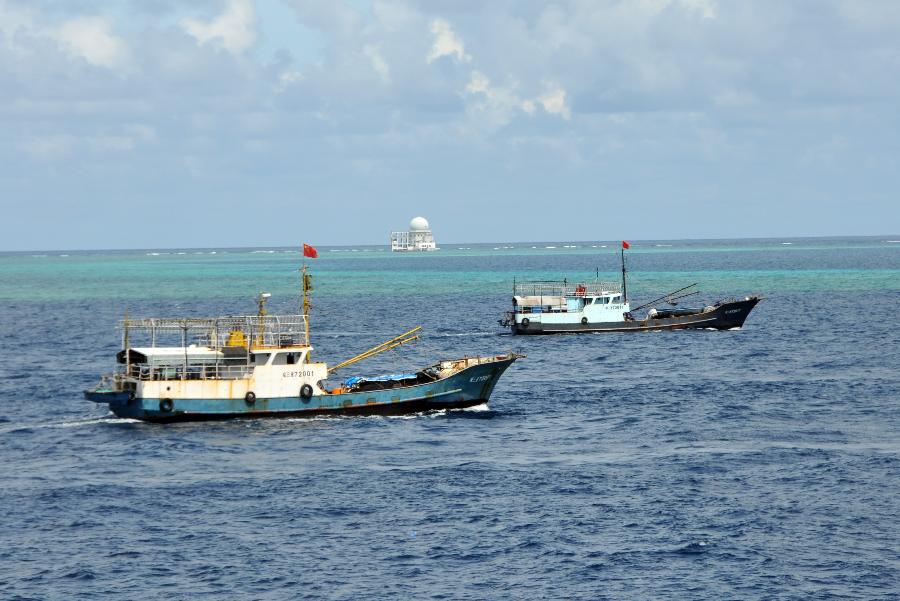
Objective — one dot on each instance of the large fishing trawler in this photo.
(261, 366)
(557, 307)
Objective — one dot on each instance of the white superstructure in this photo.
(554, 303)
(227, 358)
(419, 237)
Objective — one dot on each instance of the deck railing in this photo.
(565, 288)
(149, 373)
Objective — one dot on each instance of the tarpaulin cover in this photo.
(387, 378)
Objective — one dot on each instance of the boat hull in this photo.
(726, 316)
(469, 387)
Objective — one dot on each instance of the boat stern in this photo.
(108, 396)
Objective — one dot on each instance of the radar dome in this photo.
(418, 224)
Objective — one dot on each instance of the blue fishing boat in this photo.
(261, 366)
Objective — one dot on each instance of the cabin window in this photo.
(260, 358)
(588, 301)
(283, 359)
(617, 298)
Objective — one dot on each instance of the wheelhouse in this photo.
(222, 348)
(562, 296)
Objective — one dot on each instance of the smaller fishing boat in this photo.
(558, 307)
(261, 366)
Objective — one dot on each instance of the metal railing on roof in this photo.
(565, 288)
(257, 331)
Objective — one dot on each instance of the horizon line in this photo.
(636, 241)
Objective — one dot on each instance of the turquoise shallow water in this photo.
(721, 267)
(754, 464)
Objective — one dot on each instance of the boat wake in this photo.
(460, 334)
(107, 419)
(435, 413)
(430, 413)
(475, 408)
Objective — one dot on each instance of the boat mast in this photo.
(126, 345)
(307, 287)
(261, 315)
(624, 289)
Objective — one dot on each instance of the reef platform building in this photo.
(419, 237)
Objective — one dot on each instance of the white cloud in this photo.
(12, 19)
(503, 102)
(493, 106)
(49, 147)
(378, 63)
(554, 102)
(705, 8)
(288, 78)
(111, 144)
(446, 43)
(234, 29)
(479, 83)
(491, 83)
(91, 38)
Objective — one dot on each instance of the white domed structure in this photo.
(419, 237)
(418, 224)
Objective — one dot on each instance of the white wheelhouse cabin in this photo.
(554, 303)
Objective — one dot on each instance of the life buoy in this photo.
(250, 398)
(306, 391)
(525, 322)
(584, 321)
(166, 405)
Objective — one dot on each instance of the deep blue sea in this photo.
(761, 463)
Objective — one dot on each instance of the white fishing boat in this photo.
(558, 307)
(180, 369)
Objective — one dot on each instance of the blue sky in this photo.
(157, 123)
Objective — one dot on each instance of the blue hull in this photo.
(471, 386)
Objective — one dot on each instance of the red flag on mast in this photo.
(309, 251)
(625, 245)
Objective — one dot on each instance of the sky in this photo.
(209, 123)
